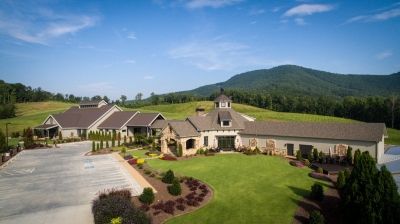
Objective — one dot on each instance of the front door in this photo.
(290, 149)
(226, 142)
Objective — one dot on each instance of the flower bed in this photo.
(296, 163)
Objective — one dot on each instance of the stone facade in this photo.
(169, 141)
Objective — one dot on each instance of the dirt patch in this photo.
(163, 196)
(329, 206)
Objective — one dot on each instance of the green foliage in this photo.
(107, 144)
(370, 195)
(147, 197)
(168, 177)
(310, 157)
(341, 180)
(130, 140)
(175, 189)
(180, 152)
(349, 155)
(60, 137)
(320, 170)
(7, 110)
(315, 154)
(123, 150)
(299, 157)
(316, 218)
(317, 192)
(113, 141)
(347, 173)
(97, 146)
(3, 147)
(117, 220)
(101, 144)
(306, 162)
(357, 155)
(28, 138)
(93, 146)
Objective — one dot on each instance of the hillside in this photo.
(32, 114)
(296, 80)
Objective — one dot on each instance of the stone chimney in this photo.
(200, 111)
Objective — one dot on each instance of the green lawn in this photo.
(248, 189)
(32, 114)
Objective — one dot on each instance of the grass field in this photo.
(248, 189)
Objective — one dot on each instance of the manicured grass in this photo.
(32, 114)
(394, 137)
(247, 189)
(138, 153)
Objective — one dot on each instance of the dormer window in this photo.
(226, 123)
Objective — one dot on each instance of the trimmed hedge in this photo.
(175, 189)
(147, 197)
(169, 177)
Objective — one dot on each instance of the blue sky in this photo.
(125, 47)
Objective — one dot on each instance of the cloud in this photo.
(39, 26)
(197, 4)
(384, 54)
(131, 36)
(129, 61)
(300, 21)
(148, 77)
(376, 17)
(308, 9)
(219, 54)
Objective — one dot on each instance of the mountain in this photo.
(297, 80)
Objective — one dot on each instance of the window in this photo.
(205, 140)
(229, 104)
(226, 123)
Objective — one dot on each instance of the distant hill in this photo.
(297, 80)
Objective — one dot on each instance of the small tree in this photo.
(97, 146)
(93, 146)
(28, 138)
(107, 144)
(130, 140)
(60, 137)
(341, 180)
(125, 139)
(101, 144)
(317, 192)
(298, 155)
(315, 155)
(357, 155)
(147, 197)
(119, 139)
(310, 157)
(113, 141)
(349, 155)
(168, 177)
(175, 189)
(180, 151)
(3, 147)
(123, 151)
(316, 218)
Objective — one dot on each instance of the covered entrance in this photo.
(46, 130)
(226, 142)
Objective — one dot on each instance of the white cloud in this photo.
(308, 9)
(148, 77)
(300, 21)
(131, 36)
(41, 25)
(384, 54)
(129, 61)
(197, 4)
(218, 54)
(380, 16)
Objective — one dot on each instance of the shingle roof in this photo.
(160, 124)
(211, 121)
(222, 98)
(92, 102)
(224, 115)
(143, 119)
(80, 118)
(117, 120)
(45, 126)
(341, 131)
(183, 129)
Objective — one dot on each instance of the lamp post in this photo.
(7, 134)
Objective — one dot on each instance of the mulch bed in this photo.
(329, 206)
(100, 152)
(163, 197)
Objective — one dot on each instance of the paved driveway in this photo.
(58, 185)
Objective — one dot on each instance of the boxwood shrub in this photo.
(147, 197)
(175, 189)
(168, 177)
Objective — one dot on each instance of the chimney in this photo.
(200, 111)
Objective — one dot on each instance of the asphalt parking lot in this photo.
(58, 185)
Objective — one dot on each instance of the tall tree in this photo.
(123, 99)
(139, 96)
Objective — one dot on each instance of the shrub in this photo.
(175, 189)
(101, 144)
(315, 154)
(169, 207)
(107, 144)
(181, 207)
(317, 192)
(168, 177)
(140, 161)
(28, 138)
(60, 137)
(341, 180)
(128, 157)
(123, 150)
(320, 170)
(298, 155)
(147, 197)
(180, 151)
(316, 218)
(310, 157)
(93, 146)
(349, 155)
(306, 162)
(97, 146)
(132, 161)
(117, 220)
(114, 204)
(168, 157)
